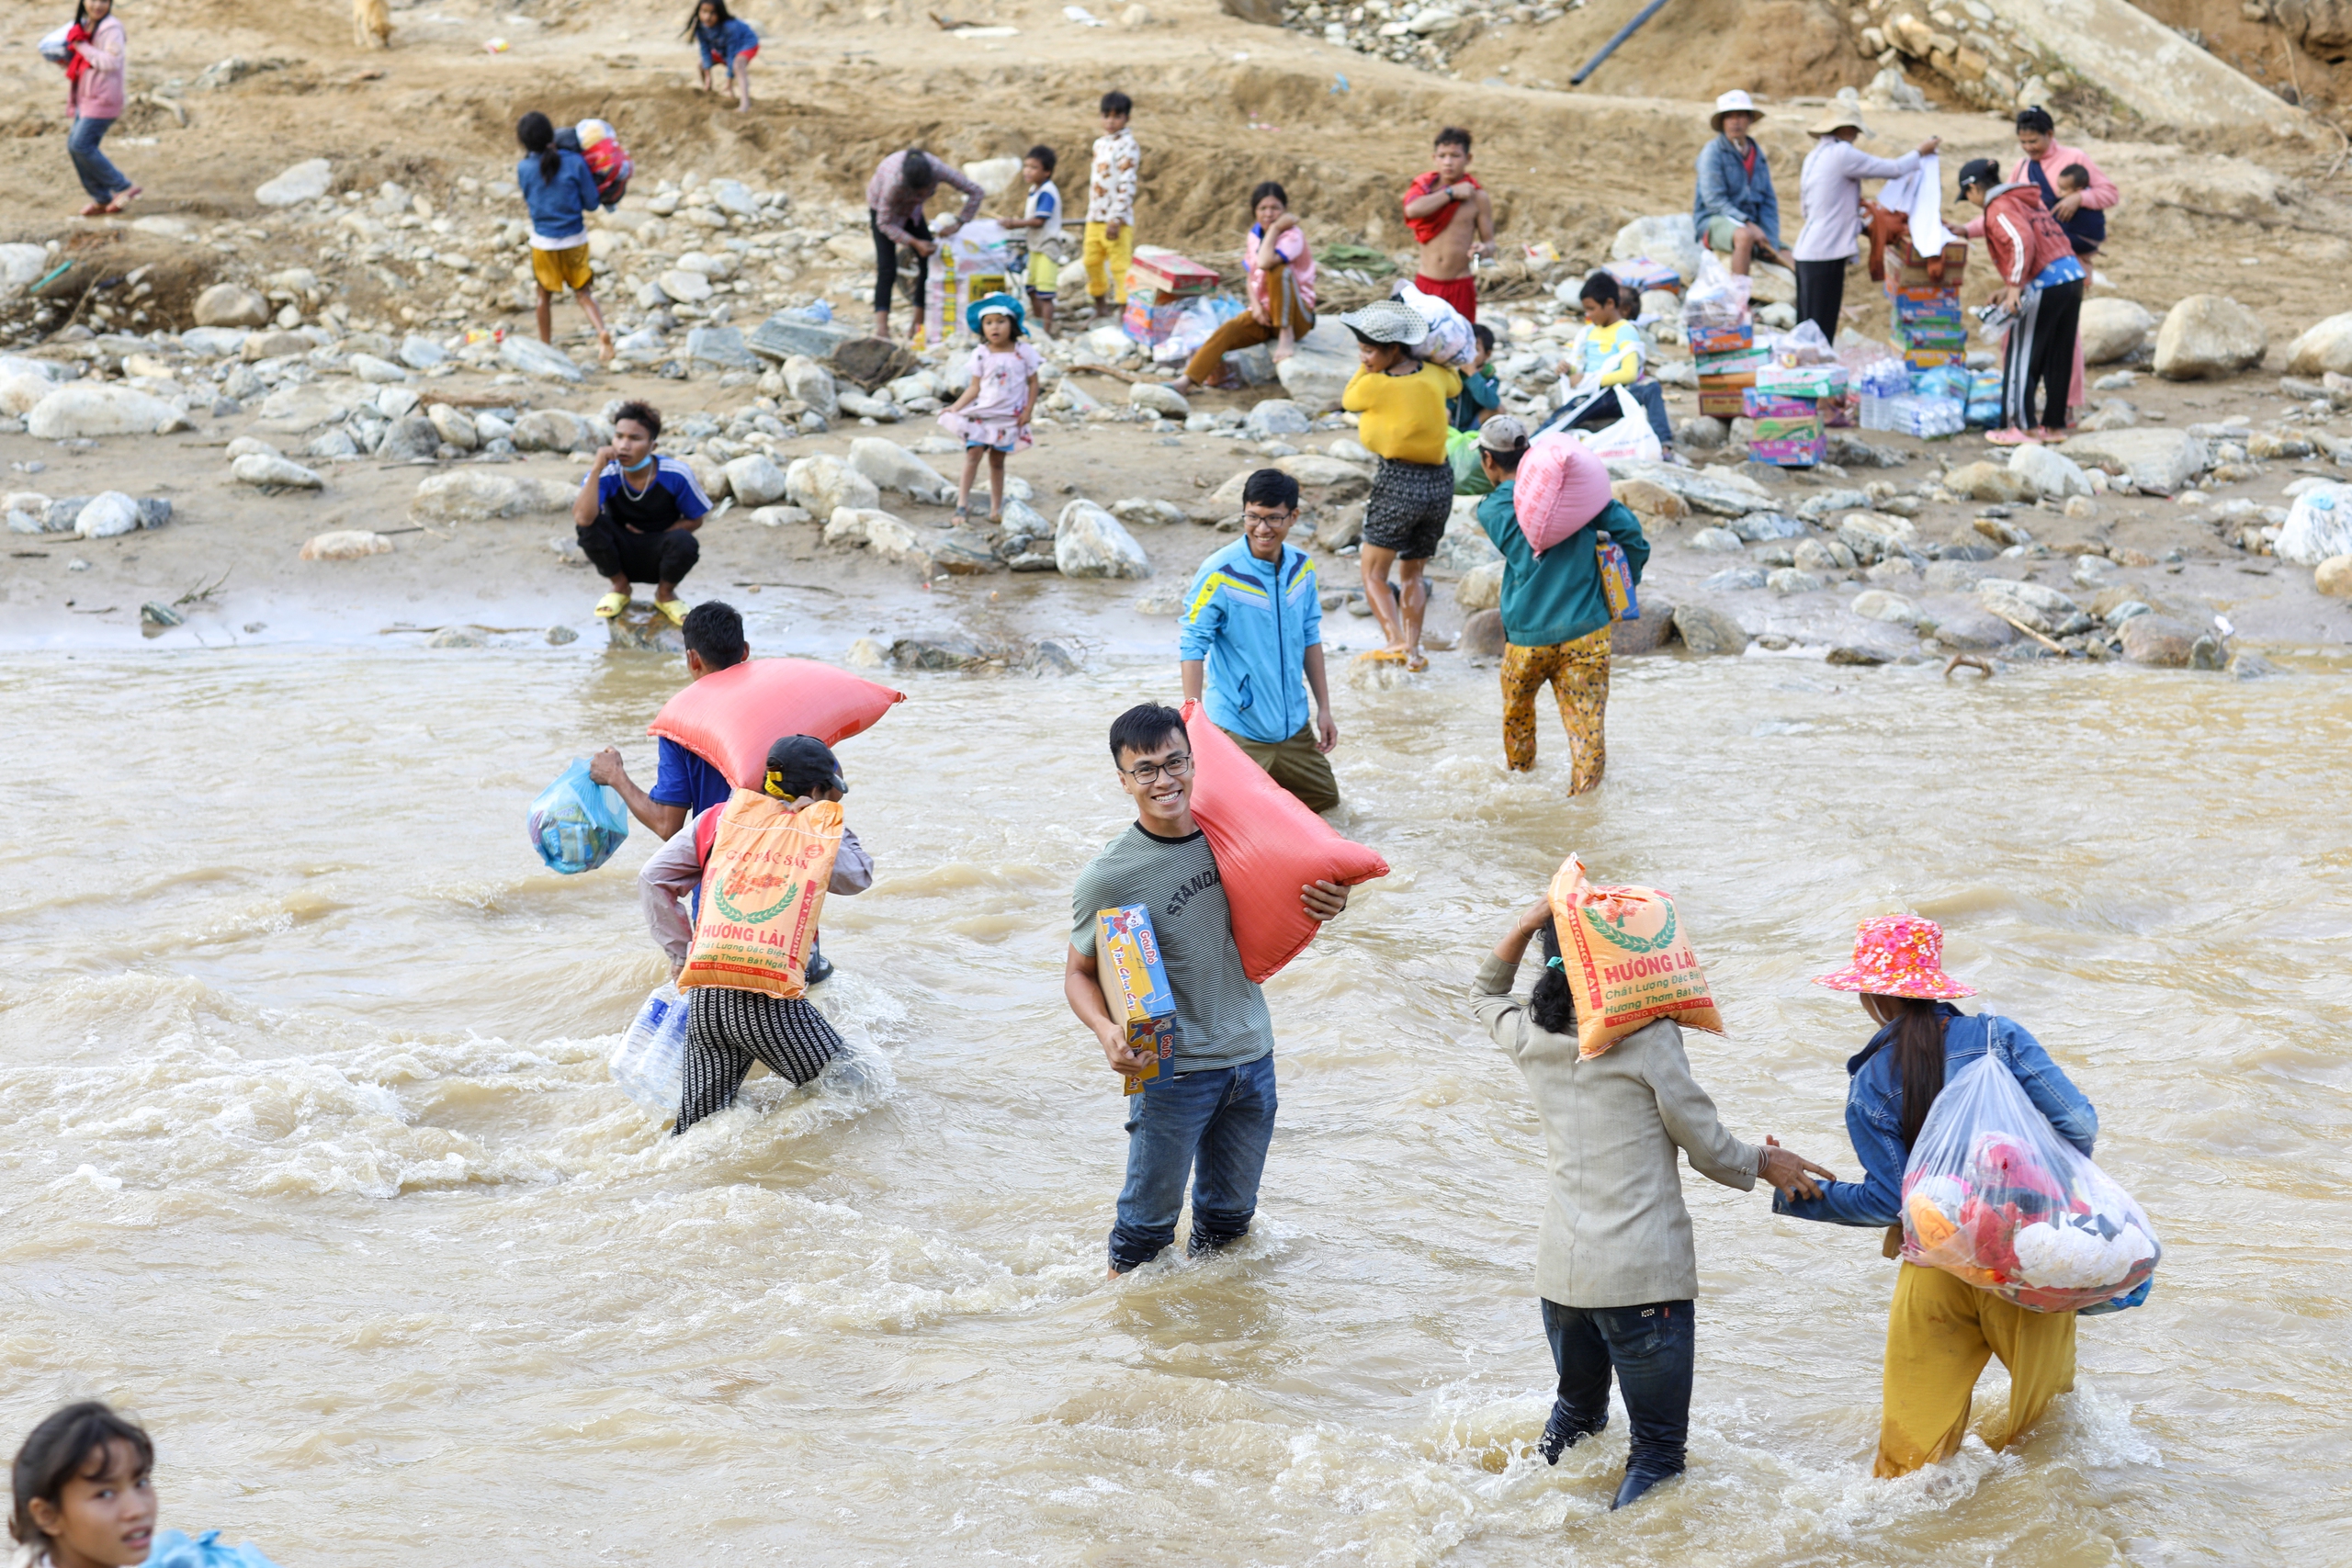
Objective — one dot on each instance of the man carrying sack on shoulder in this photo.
(764, 863)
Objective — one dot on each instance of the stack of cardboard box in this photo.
(1786, 404)
(1727, 360)
(1159, 283)
(1928, 328)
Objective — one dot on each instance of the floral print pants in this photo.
(1579, 672)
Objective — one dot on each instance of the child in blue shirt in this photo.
(559, 190)
(1481, 392)
(723, 41)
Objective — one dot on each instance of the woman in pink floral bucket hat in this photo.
(1940, 1329)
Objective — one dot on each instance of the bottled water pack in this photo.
(650, 1063)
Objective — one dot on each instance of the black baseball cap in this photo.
(1979, 172)
(802, 764)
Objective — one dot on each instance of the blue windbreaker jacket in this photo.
(1252, 621)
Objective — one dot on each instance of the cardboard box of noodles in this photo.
(1779, 427)
(1167, 272)
(1722, 402)
(1929, 358)
(1723, 340)
(1789, 452)
(1801, 381)
(1135, 987)
(1756, 402)
(1743, 362)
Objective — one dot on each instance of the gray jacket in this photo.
(1615, 1233)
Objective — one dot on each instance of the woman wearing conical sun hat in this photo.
(1831, 186)
(1940, 1330)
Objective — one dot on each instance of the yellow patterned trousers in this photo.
(1578, 672)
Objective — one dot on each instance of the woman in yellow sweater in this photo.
(1403, 404)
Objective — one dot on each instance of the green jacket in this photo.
(1558, 598)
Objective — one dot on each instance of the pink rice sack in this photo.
(1560, 487)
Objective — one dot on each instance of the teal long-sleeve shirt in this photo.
(1557, 598)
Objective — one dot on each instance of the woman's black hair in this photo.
(2037, 120)
(693, 17)
(1551, 1005)
(1266, 188)
(73, 1442)
(1917, 1050)
(536, 131)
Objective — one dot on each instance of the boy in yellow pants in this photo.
(1111, 205)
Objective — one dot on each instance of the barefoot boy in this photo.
(1450, 215)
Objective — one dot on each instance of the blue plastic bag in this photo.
(174, 1548)
(577, 823)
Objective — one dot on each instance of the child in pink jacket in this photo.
(93, 71)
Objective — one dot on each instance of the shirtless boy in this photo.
(1450, 215)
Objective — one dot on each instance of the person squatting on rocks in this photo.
(1403, 402)
(560, 189)
(637, 514)
(1280, 271)
(895, 197)
(97, 55)
(1111, 182)
(727, 1026)
(1940, 1329)
(2042, 287)
(723, 42)
(1614, 1264)
(1556, 618)
(1608, 352)
(1830, 185)
(1453, 222)
(1734, 211)
(993, 413)
(1253, 627)
(1210, 1117)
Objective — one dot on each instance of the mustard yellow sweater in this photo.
(1404, 416)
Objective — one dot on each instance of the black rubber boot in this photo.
(821, 968)
(1636, 1484)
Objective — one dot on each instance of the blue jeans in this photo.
(1213, 1127)
(1650, 1349)
(100, 177)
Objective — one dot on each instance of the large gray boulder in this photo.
(825, 485)
(2157, 462)
(812, 384)
(549, 430)
(892, 467)
(2323, 347)
(1718, 490)
(543, 360)
(2207, 336)
(1326, 361)
(230, 305)
(107, 516)
(755, 480)
(1338, 482)
(468, 495)
(2114, 329)
(265, 469)
(2049, 473)
(2042, 608)
(1090, 541)
(1705, 629)
(306, 180)
(87, 409)
(1667, 238)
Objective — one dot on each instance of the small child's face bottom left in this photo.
(105, 1516)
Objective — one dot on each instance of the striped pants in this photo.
(725, 1029)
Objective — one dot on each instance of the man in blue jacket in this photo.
(1735, 212)
(1253, 627)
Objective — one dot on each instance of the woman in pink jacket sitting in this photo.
(94, 71)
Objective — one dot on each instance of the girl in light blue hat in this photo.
(992, 415)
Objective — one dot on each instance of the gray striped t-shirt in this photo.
(1221, 1019)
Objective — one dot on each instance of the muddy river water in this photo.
(309, 1154)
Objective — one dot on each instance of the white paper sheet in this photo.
(1919, 196)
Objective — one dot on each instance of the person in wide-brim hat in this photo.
(1941, 1329)
(1734, 210)
(1387, 321)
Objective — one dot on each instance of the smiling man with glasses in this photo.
(1211, 1116)
(1254, 636)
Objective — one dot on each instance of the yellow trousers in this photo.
(1578, 674)
(1938, 1333)
(1105, 256)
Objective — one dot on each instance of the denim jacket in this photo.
(1728, 190)
(1875, 1114)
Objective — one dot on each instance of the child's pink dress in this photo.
(993, 418)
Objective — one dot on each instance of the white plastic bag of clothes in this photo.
(1199, 321)
(650, 1063)
(2319, 525)
(577, 823)
(1993, 1194)
(1803, 347)
(1629, 440)
(54, 46)
(1718, 301)
(1451, 342)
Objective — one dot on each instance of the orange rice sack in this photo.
(1268, 845)
(764, 887)
(730, 716)
(1627, 961)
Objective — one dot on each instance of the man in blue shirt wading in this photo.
(684, 786)
(1253, 626)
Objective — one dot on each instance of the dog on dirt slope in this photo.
(371, 24)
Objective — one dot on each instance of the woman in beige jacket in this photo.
(1615, 1263)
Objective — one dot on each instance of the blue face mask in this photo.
(639, 466)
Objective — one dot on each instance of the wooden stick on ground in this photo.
(2027, 629)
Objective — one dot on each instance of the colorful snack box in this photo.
(1158, 270)
(1737, 362)
(1790, 454)
(1758, 403)
(1801, 381)
(1723, 340)
(1134, 985)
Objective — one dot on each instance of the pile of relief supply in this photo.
(1985, 398)
(1927, 418)
(1878, 382)
(978, 260)
(1161, 283)
(1994, 1195)
(1722, 338)
(1188, 325)
(1930, 329)
(1787, 426)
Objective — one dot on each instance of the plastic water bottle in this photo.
(650, 1063)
